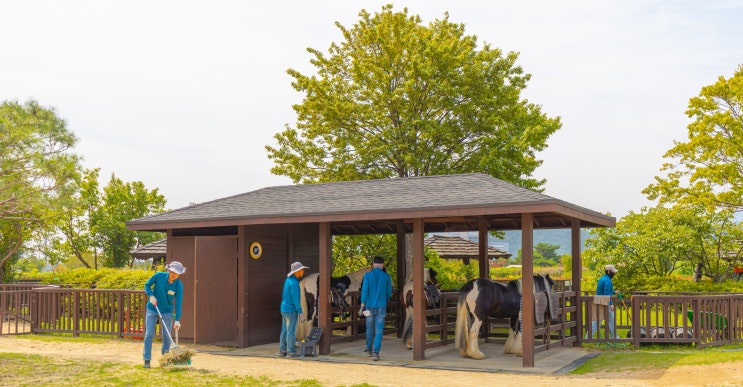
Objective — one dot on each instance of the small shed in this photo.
(455, 247)
(238, 249)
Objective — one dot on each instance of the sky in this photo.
(185, 95)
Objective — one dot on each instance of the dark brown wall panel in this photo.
(216, 290)
(181, 249)
(265, 276)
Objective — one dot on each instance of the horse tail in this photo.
(461, 330)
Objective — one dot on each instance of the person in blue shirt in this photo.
(605, 287)
(165, 292)
(291, 311)
(376, 290)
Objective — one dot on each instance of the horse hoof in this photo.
(478, 356)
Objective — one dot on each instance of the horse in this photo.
(482, 298)
(309, 288)
(433, 296)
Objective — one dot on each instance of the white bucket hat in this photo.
(296, 266)
(176, 267)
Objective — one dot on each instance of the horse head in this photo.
(338, 288)
(431, 287)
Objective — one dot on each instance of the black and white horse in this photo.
(483, 298)
(433, 296)
(309, 288)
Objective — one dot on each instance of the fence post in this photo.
(76, 313)
(635, 328)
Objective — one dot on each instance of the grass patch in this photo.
(657, 357)
(35, 370)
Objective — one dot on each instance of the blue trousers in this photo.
(150, 320)
(609, 322)
(375, 328)
(288, 339)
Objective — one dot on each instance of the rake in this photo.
(178, 356)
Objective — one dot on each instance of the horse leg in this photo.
(473, 349)
(408, 328)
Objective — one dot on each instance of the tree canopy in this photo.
(708, 168)
(37, 168)
(397, 98)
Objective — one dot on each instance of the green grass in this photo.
(619, 359)
(34, 370)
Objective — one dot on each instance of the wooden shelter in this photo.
(454, 247)
(156, 250)
(238, 249)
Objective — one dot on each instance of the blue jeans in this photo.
(288, 339)
(375, 328)
(609, 322)
(150, 320)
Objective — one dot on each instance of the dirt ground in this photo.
(335, 374)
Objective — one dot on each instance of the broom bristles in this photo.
(177, 356)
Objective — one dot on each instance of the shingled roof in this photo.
(454, 247)
(447, 202)
(155, 249)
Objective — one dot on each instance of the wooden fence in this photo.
(700, 318)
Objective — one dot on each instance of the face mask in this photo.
(610, 274)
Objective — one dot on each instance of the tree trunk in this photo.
(698, 272)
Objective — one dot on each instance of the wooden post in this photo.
(326, 257)
(527, 288)
(419, 303)
(401, 277)
(483, 249)
(576, 278)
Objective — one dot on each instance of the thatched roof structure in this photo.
(454, 247)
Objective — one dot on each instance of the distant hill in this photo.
(559, 237)
(512, 241)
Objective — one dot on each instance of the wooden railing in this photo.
(33, 308)
(699, 318)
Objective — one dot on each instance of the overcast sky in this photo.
(184, 95)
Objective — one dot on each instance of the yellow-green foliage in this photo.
(106, 278)
(661, 284)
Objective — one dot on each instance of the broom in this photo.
(177, 356)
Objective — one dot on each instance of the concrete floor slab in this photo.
(394, 353)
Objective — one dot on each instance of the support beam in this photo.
(401, 277)
(576, 276)
(527, 288)
(483, 247)
(419, 298)
(326, 258)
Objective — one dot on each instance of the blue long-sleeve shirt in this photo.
(604, 287)
(290, 301)
(376, 289)
(169, 295)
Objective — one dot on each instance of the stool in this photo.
(309, 345)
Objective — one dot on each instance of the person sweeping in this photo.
(165, 294)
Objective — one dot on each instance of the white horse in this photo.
(433, 296)
(309, 288)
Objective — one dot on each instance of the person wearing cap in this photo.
(291, 311)
(376, 290)
(165, 293)
(604, 287)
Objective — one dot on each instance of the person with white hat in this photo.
(604, 291)
(165, 292)
(291, 310)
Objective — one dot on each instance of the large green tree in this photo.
(708, 168)
(37, 169)
(397, 98)
(661, 241)
(121, 202)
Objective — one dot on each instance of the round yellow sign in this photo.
(256, 250)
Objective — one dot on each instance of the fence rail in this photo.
(702, 319)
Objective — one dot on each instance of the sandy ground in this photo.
(334, 374)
